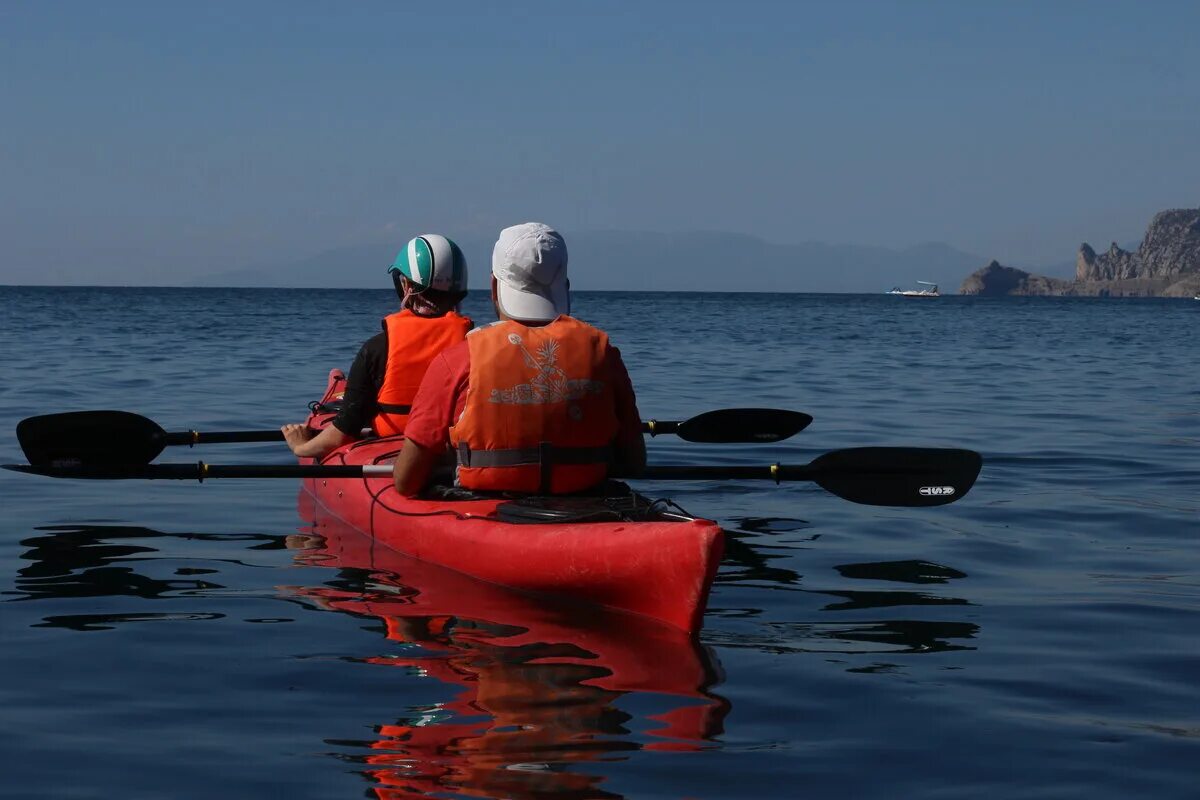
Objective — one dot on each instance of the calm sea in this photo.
(1038, 638)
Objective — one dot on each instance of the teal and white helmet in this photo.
(432, 262)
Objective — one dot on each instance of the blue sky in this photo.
(145, 142)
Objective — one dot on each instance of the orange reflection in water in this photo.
(538, 681)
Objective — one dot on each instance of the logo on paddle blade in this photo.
(937, 491)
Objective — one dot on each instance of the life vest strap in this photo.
(544, 454)
(390, 408)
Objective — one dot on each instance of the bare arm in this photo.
(304, 444)
(412, 468)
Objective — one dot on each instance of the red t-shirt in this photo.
(443, 395)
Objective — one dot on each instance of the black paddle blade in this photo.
(897, 476)
(90, 438)
(732, 425)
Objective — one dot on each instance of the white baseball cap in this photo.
(529, 263)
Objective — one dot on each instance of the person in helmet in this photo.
(538, 402)
(430, 276)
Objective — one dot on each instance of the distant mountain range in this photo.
(634, 260)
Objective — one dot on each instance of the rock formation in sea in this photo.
(1165, 264)
(996, 280)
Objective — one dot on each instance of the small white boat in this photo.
(930, 290)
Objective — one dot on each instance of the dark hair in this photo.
(423, 301)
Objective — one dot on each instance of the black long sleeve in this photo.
(362, 386)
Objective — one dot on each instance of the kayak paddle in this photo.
(879, 476)
(122, 437)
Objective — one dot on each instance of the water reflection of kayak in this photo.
(538, 681)
(629, 554)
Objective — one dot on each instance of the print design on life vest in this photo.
(550, 384)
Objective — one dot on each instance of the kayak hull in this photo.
(662, 569)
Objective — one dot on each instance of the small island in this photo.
(1165, 264)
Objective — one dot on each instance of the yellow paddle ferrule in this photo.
(775, 473)
(195, 438)
(203, 471)
(651, 424)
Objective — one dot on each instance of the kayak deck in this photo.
(661, 568)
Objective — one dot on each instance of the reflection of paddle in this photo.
(878, 476)
(97, 438)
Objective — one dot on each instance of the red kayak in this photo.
(660, 566)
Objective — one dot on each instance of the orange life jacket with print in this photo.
(413, 342)
(539, 414)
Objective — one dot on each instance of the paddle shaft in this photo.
(190, 438)
(220, 437)
(654, 427)
(887, 476)
(774, 472)
(201, 471)
(175, 438)
(681, 472)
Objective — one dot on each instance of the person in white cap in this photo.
(430, 277)
(538, 402)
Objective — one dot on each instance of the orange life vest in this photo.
(413, 342)
(539, 414)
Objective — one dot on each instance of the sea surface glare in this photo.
(1040, 638)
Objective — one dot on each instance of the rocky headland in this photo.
(996, 280)
(1165, 264)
